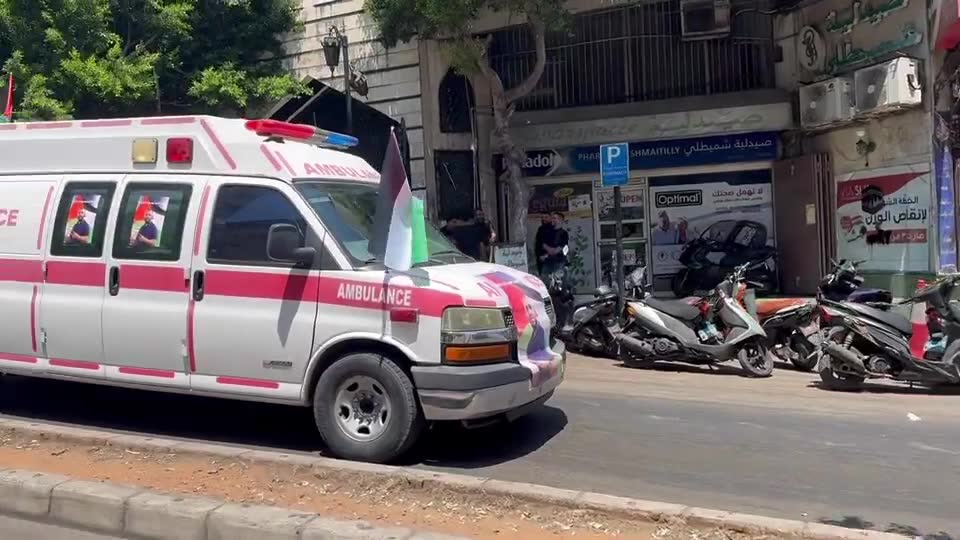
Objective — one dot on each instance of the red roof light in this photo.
(180, 150)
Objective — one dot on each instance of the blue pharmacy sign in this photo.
(946, 221)
(614, 164)
(645, 155)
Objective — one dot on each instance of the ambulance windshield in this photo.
(347, 211)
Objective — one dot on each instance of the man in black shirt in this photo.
(555, 244)
(540, 239)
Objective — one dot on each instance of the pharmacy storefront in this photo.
(679, 189)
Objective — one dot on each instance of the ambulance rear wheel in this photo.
(366, 409)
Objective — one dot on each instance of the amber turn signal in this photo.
(479, 353)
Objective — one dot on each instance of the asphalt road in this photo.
(19, 529)
(888, 458)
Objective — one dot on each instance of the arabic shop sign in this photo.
(845, 21)
(656, 154)
(848, 56)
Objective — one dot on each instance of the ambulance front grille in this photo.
(548, 305)
(508, 317)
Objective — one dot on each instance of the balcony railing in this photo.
(636, 53)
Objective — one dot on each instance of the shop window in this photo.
(456, 103)
(455, 183)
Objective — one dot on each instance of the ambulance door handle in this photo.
(198, 285)
(114, 280)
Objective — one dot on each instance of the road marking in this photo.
(929, 448)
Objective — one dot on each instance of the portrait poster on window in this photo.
(148, 221)
(81, 217)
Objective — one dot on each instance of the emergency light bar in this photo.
(301, 132)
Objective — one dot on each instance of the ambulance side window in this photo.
(242, 217)
(81, 221)
(151, 220)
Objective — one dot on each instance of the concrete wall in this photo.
(393, 75)
(901, 138)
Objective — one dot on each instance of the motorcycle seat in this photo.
(675, 308)
(768, 306)
(895, 320)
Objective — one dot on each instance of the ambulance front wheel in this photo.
(366, 408)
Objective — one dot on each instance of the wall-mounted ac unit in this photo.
(827, 102)
(704, 19)
(888, 86)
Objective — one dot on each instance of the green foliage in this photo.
(95, 58)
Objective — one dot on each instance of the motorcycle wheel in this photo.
(803, 358)
(838, 382)
(586, 340)
(755, 359)
(832, 380)
(680, 283)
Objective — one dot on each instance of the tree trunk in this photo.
(512, 176)
(503, 100)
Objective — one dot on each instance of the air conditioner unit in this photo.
(888, 86)
(704, 19)
(827, 102)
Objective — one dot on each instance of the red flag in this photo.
(8, 111)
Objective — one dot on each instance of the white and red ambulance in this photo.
(229, 258)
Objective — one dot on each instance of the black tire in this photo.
(586, 340)
(831, 380)
(803, 358)
(680, 283)
(756, 359)
(404, 422)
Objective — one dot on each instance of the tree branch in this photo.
(539, 29)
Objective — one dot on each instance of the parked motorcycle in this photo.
(864, 342)
(595, 323)
(792, 324)
(722, 247)
(715, 329)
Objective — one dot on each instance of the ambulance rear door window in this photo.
(151, 221)
(81, 222)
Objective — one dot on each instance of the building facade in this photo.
(392, 76)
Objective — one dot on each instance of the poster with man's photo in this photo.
(81, 217)
(148, 221)
(884, 218)
(718, 206)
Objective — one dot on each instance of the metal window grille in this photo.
(636, 53)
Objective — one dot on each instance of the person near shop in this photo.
(483, 233)
(540, 239)
(555, 244)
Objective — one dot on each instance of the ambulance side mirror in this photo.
(285, 244)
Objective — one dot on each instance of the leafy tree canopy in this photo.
(101, 58)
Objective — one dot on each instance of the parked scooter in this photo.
(715, 329)
(866, 342)
(792, 324)
(595, 323)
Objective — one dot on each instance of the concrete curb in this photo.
(30, 498)
(139, 513)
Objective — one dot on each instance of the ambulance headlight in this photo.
(467, 325)
(467, 319)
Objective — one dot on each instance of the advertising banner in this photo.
(884, 218)
(686, 207)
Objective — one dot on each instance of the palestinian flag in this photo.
(8, 108)
(399, 228)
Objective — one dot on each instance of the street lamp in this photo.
(333, 43)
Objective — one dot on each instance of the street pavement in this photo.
(887, 458)
(19, 529)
